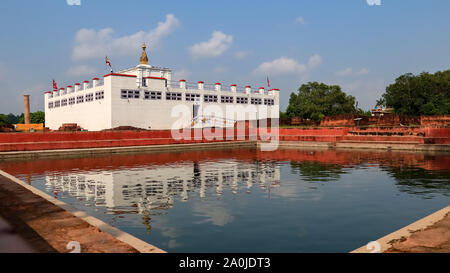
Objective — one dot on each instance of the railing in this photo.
(100, 82)
(173, 84)
(211, 121)
(240, 89)
(212, 87)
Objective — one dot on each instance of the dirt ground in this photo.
(29, 223)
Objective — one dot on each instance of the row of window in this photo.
(99, 95)
(157, 95)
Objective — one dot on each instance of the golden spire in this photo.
(144, 58)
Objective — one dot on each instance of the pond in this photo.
(245, 200)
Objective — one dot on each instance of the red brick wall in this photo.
(441, 121)
(74, 140)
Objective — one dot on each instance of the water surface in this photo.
(244, 200)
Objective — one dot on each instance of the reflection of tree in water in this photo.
(420, 182)
(315, 171)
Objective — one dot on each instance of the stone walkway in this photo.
(10, 241)
(29, 223)
(433, 239)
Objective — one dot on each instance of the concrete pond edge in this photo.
(120, 235)
(385, 243)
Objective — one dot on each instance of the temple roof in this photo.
(144, 58)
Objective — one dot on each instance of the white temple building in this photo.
(155, 187)
(146, 97)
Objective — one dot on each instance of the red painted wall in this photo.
(73, 140)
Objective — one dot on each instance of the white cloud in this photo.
(281, 65)
(73, 2)
(349, 72)
(373, 2)
(216, 46)
(286, 65)
(363, 71)
(241, 55)
(90, 44)
(315, 60)
(300, 20)
(181, 74)
(81, 70)
(220, 70)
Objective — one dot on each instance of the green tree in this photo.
(4, 120)
(423, 94)
(316, 100)
(35, 117)
(13, 119)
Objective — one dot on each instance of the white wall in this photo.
(93, 116)
(113, 111)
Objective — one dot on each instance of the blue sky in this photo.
(363, 48)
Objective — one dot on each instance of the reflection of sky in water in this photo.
(232, 205)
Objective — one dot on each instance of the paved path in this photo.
(10, 241)
(433, 239)
(29, 223)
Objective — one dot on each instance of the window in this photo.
(57, 103)
(256, 101)
(80, 99)
(50, 105)
(72, 101)
(129, 94)
(152, 95)
(63, 102)
(191, 97)
(226, 99)
(268, 102)
(99, 95)
(173, 96)
(89, 97)
(242, 100)
(210, 98)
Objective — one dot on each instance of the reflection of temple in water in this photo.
(155, 187)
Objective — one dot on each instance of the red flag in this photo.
(268, 83)
(107, 61)
(54, 85)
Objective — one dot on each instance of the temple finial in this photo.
(144, 58)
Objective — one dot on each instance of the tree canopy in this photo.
(10, 119)
(423, 94)
(35, 117)
(316, 100)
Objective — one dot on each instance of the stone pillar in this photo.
(26, 108)
(218, 86)
(273, 92)
(248, 89)
(261, 90)
(95, 82)
(233, 88)
(182, 84)
(201, 85)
